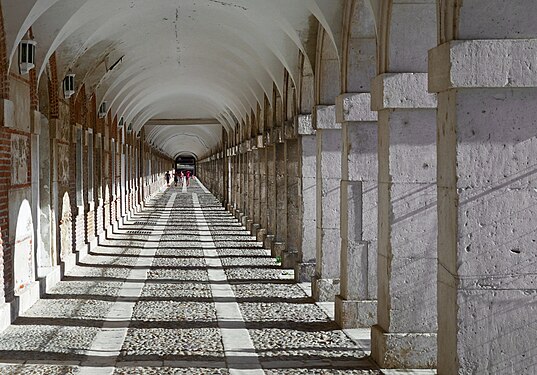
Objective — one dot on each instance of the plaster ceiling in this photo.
(173, 59)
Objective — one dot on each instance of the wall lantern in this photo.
(69, 85)
(103, 109)
(26, 56)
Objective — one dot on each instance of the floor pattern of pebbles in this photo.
(174, 325)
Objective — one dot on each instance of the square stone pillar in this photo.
(305, 267)
(356, 305)
(325, 285)
(262, 232)
(487, 145)
(251, 186)
(290, 255)
(256, 173)
(236, 180)
(271, 191)
(405, 335)
(281, 195)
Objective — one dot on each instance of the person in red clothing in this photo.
(187, 178)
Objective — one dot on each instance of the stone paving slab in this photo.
(38, 370)
(86, 288)
(185, 290)
(177, 274)
(179, 263)
(201, 344)
(171, 371)
(175, 312)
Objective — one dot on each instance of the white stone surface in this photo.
(483, 64)
(324, 117)
(401, 90)
(305, 125)
(354, 107)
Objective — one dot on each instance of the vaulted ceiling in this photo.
(199, 64)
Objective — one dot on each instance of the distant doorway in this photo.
(184, 164)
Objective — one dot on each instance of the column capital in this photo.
(401, 91)
(324, 117)
(355, 107)
(304, 125)
(495, 63)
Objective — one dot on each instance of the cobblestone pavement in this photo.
(180, 289)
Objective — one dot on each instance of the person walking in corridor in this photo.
(187, 178)
(167, 176)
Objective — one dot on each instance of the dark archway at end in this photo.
(185, 162)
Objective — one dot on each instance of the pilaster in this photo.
(307, 143)
(405, 334)
(356, 305)
(325, 285)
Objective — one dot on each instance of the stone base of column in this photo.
(260, 235)
(244, 221)
(355, 314)
(237, 214)
(249, 224)
(229, 207)
(267, 243)
(403, 350)
(289, 258)
(254, 228)
(324, 290)
(277, 249)
(5, 316)
(304, 272)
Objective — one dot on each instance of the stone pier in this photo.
(405, 334)
(325, 285)
(356, 305)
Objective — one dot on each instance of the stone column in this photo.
(271, 191)
(251, 182)
(305, 267)
(325, 285)
(239, 191)
(487, 144)
(257, 186)
(356, 305)
(262, 165)
(292, 242)
(405, 335)
(280, 169)
(244, 182)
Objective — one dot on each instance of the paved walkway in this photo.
(183, 289)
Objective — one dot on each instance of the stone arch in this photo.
(66, 228)
(23, 251)
(358, 65)
(327, 70)
(306, 86)
(403, 47)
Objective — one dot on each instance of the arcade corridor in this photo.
(384, 151)
(179, 289)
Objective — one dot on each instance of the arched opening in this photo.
(184, 163)
(23, 258)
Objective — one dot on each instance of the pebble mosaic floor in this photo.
(181, 289)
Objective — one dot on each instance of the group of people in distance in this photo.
(179, 176)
